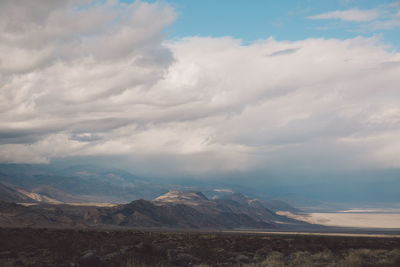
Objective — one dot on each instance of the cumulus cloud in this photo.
(349, 15)
(68, 66)
(109, 84)
(293, 109)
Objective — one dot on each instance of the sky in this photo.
(290, 20)
(198, 87)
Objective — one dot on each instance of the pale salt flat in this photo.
(359, 220)
(377, 211)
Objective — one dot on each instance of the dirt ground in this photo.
(68, 247)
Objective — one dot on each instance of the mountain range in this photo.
(90, 196)
(90, 183)
(176, 209)
(83, 183)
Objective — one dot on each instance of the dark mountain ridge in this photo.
(191, 210)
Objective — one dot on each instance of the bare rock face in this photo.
(191, 197)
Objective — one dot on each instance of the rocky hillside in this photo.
(176, 209)
(9, 193)
(139, 213)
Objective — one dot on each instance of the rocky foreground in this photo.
(56, 247)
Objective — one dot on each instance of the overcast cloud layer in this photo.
(100, 79)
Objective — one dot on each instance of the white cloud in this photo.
(389, 24)
(349, 15)
(195, 104)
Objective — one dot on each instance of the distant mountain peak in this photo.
(182, 197)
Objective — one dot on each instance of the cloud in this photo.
(109, 84)
(63, 63)
(388, 24)
(354, 14)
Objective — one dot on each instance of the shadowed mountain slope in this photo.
(139, 213)
(9, 193)
(176, 209)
